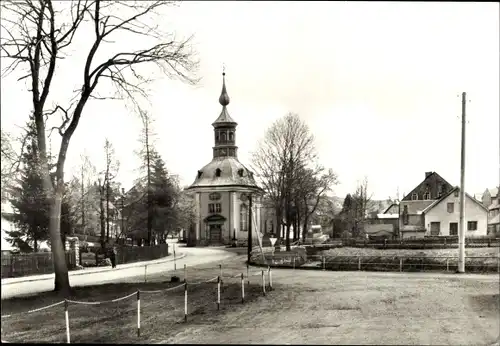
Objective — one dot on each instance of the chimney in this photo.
(427, 174)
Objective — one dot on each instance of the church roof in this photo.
(231, 173)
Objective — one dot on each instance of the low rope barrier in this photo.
(162, 290)
(34, 310)
(209, 302)
(101, 302)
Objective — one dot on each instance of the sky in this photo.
(379, 85)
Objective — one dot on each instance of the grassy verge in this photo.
(162, 314)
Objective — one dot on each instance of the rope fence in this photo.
(185, 286)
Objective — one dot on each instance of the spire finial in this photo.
(224, 97)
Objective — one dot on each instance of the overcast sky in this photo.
(378, 84)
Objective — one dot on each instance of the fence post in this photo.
(138, 313)
(185, 302)
(175, 260)
(218, 293)
(294, 262)
(220, 271)
(66, 317)
(146, 273)
(447, 264)
(324, 264)
(242, 288)
(185, 273)
(359, 263)
(400, 264)
(248, 276)
(263, 284)
(270, 279)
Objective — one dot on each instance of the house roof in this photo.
(389, 207)
(416, 207)
(408, 196)
(493, 192)
(494, 205)
(495, 220)
(456, 188)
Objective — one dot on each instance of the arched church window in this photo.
(243, 218)
(217, 172)
(231, 136)
(223, 137)
(217, 136)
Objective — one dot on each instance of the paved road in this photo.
(194, 256)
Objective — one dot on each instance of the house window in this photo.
(456, 193)
(214, 208)
(472, 225)
(427, 195)
(243, 218)
(414, 196)
(440, 190)
(435, 228)
(217, 172)
(450, 207)
(453, 228)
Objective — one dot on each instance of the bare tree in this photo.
(36, 35)
(110, 172)
(311, 186)
(362, 202)
(287, 147)
(147, 155)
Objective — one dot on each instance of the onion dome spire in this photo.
(224, 97)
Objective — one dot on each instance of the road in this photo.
(194, 256)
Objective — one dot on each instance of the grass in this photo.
(312, 307)
(162, 314)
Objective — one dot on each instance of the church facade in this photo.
(224, 189)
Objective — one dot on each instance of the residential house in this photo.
(385, 224)
(489, 196)
(442, 216)
(411, 220)
(494, 217)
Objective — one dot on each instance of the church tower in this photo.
(224, 128)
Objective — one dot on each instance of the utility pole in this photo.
(461, 231)
(249, 226)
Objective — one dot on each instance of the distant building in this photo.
(432, 209)
(222, 188)
(494, 217)
(384, 225)
(411, 221)
(442, 217)
(489, 196)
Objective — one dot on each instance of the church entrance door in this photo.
(215, 234)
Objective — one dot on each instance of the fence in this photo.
(383, 263)
(423, 243)
(16, 265)
(184, 289)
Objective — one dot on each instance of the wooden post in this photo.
(185, 273)
(218, 293)
(248, 274)
(138, 313)
(270, 279)
(324, 264)
(293, 262)
(220, 271)
(146, 273)
(447, 265)
(242, 288)
(359, 263)
(66, 317)
(263, 284)
(400, 264)
(185, 302)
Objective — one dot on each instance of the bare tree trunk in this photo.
(83, 202)
(288, 236)
(107, 208)
(101, 215)
(304, 231)
(35, 245)
(61, 282)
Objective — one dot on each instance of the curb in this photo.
(106, 269)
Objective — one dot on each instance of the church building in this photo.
(222, 188)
